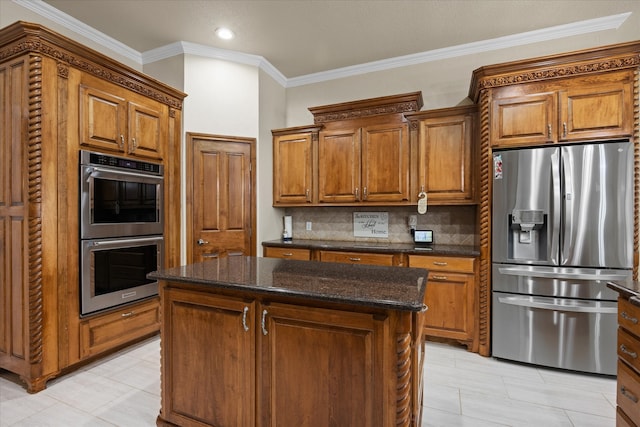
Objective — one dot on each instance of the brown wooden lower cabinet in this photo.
(450, 298)
(238, 360)
(628, 384)
(357, 258)
(287, 253)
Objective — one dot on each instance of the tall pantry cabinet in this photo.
(46, 84)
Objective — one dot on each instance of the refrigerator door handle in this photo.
(519, 271)
(542, 303)
(556, 201)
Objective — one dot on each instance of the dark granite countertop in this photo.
(352, 246)
(397, 288)
(630, 290)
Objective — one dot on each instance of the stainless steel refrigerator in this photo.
(562, 226)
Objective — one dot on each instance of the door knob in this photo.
(202, 242)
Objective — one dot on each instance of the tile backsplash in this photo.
(451, 225)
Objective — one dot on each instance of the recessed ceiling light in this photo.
(224, 33)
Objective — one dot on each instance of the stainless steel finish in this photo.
(562, 226)
(598, 205)
(556, 335)
(89, 173)
(88, 301)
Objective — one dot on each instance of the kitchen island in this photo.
(268, 342)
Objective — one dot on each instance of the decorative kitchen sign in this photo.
(371, 224)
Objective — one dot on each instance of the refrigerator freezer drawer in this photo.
(561, 333)
(559, 282)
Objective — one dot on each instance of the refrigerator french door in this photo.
(562, 226)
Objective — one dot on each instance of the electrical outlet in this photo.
(412, 221)
(308, 225)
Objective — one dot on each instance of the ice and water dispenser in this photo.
(527, 235)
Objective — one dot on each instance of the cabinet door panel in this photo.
(596, 111)
(292, 169)
(146, 130)
(320, 368)
(444, 164)
(102, 119)
(449, 299)
(339, 166)
(385, 159)
(204, 324)
(522, 120)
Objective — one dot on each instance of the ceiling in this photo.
(304, 37)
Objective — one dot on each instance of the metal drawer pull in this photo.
(129, 314)
(264, 322)
(287, 254)
(631, 319)
(354, 259)
(439, 277)
(244, 319)
(440, 263)
(628, 394)
(623, 349)
(202, 242)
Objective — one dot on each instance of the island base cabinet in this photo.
(243, 360)
(207, 360)
(319, 367)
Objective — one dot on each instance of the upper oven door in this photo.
(117, 203)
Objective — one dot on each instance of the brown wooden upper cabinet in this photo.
(366, 164)
(445, 154)
(294, 170)
(578, 109)
(114, 120)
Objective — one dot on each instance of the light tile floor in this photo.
(461, 389)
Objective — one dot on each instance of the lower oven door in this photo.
(114, 271)
(562, 333)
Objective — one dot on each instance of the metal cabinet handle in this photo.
(564, 129)
(202, 242)
(121, 141)
(354, 259)
(357, 193)
(307, 193)
(211, 255)
(438, 277)
(263, 323)
(440, 263)
(127, 314)
(631, 319)
(364, 193)
(244, 319)
(626, 393)
(549, 131)
(624, 349)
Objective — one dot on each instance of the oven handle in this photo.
(120, 242)
(515, 271)
(97, 172)
(534, 302)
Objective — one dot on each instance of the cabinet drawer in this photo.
(440, 263)
(629, 348)
(622, 420)
(628, 391)
(356, 258)
(288, 253)
(629, 316)
(108, 331)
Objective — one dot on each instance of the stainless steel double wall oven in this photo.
(121, 230)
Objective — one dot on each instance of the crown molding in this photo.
(49, 12)
(611, 22)
(529, 37)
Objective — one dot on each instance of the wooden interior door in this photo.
(220, 197)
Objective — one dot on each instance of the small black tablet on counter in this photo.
(423, 237)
